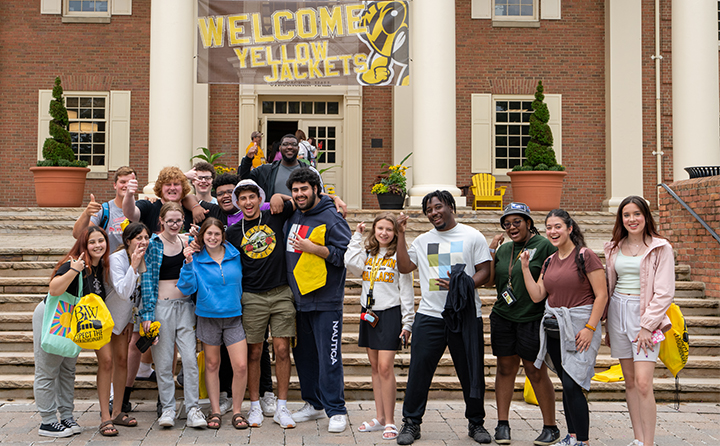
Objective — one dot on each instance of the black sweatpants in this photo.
(575, 404)
(429, 339)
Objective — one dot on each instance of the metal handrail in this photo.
(693, 213)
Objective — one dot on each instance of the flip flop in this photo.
(214, 421)
(367, 427)
(391, 432)
(107, 429)
(124, 419)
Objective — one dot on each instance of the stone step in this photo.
(360, 387)
(27, 269)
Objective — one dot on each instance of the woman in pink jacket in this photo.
(641, 281)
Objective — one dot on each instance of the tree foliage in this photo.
(57, 149)
(539, 152)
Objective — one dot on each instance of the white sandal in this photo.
(390, 429)
(366, 427)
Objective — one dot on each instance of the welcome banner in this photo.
(313, 43)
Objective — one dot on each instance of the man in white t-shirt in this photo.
(109, 217)
(433, 254)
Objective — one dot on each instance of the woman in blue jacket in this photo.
(215, 274)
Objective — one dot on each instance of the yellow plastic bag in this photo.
(675, 348)
(91, 323)
(201, 369)
(310, 272)
(529, 393)
(611, 375)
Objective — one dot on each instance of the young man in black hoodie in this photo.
(317, 238)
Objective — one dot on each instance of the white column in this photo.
(623, 92)
(352, 151)
(172, 36)
(433, 86)
(694, 85)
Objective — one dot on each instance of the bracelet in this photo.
(590, 327)
(76, 270)
(492, 251)
(196, 205)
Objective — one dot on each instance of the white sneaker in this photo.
(635, 442)
(195, 418)
(167, 419)
(307, 413)
(255, 416)
(226, 404)
(268, 404)
(284, 418)
(338, 423)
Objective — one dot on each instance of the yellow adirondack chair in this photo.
(484, 190)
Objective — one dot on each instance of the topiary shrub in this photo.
(56, 149)
(539, 152)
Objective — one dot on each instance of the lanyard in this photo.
(374, 269)
(513, 262)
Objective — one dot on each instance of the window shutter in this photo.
(50, 6)
(119, 127)
(482, 9)
(121, 7)
(481, 117)
(550, 9)
(554, 103)
(44, 118)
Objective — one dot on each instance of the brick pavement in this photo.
(444, 424)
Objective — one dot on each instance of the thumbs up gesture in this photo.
(93, 207)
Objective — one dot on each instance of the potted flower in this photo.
(538, 182)
(60, 177)
(391, 185)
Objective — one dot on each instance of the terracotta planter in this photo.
(59, 186)
(541, 190)
(391, 201)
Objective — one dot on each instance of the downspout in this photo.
(657, 57)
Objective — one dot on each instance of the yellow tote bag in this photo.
(529, 393)
(91, 324)
(675, 348)
(201, 368)
(310, 272)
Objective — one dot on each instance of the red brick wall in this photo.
(34, 49)
(694, 245)
(224, 123)
(377, 124)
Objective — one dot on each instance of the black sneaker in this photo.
(478, 433)
(72, 425)
(502, 434)
(56, 430)
(409, 433)
(548, 436)
(126, 407)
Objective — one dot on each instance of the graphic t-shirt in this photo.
(92, 282)
(260, 242)
(150, 215)
(435, 252)
(524, 309)
(114, 224)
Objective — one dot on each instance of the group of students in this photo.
(552, 296)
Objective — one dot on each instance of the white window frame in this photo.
(117, 128)
(542, 10)
(483, 130)
(68, 13)
(61, 7)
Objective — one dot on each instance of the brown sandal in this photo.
(123, 419)
(214, 421)
(239, 421)
(107, 429)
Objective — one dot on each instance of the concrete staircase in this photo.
(32, 240)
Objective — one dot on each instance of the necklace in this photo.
(172, 242)
(637, 251)
(243, 224)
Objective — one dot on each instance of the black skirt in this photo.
(386, 334)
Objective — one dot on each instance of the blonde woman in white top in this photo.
(387, 312)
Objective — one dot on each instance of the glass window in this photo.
(307, 108)
(320, 108)
(87, 7)
(294, 107)
(515, 10)
(511, 132)
(281, 107)
(333, 108)
(88, 134)
(268, 107)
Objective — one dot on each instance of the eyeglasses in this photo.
(516, 223)
(173, 222)
(205, 179)
(223, 193)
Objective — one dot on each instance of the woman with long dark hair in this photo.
(54, 385)
(388, 298)
(572, 279)
(641, 284)
(515, 320)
